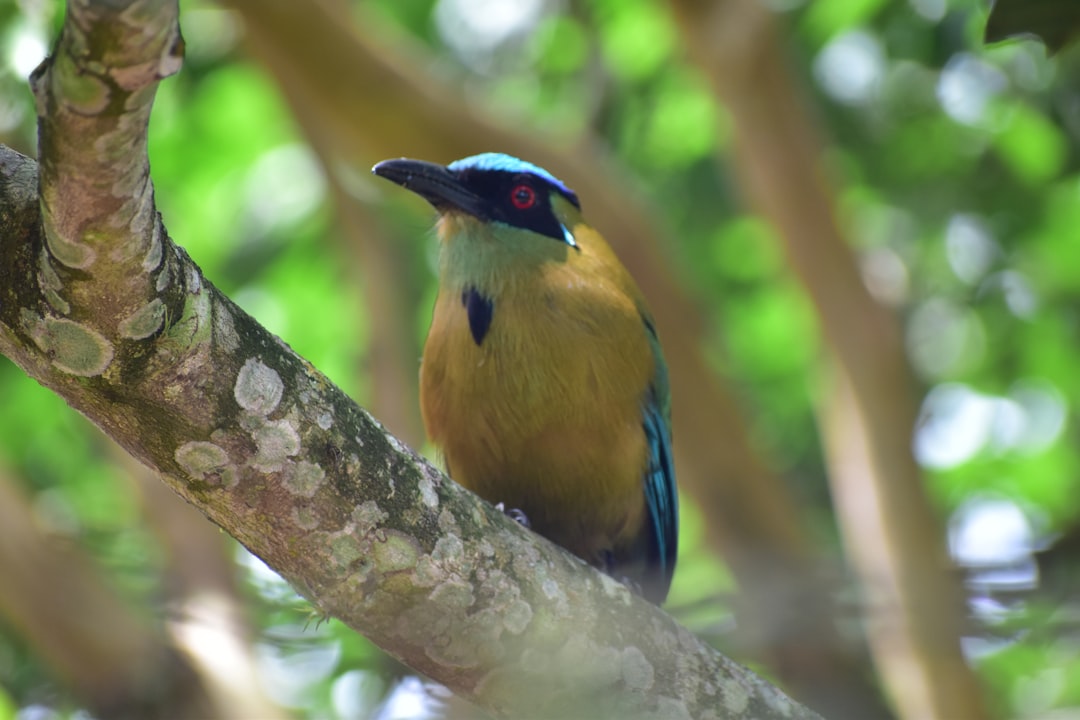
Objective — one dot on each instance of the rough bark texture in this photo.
(99, 305)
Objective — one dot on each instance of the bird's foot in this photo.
(607, 566)
(514, 514)
(634, 585)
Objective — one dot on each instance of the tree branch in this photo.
(99, 305)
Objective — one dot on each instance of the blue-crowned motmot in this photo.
(542, 381)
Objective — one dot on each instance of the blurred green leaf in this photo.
(1031, 144)
(772, 331)
(683, 126)
(7, 706)
(202, 137)
(931, 146)
(746, 248)
(825, 18)
(1051, 253)
(637, 39)
(560, 45)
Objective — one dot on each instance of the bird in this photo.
(542, 381)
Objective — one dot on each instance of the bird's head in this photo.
(510, 198)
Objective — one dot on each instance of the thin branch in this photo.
(104, 309)
(112, 657)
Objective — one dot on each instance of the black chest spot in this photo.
(479, 309)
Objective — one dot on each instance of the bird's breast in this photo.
(543, 410)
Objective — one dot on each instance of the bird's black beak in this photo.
(435, 183)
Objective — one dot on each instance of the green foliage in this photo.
(828, 17)
(560, 45)
(205, 140)
(635, 38)
(702, 583)
(1031, 144)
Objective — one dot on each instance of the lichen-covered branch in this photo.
(98, 304)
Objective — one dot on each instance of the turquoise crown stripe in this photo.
(501, 162)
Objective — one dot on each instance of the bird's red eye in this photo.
(523, 197)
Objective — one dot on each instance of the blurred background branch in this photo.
(113, 657)
(893, 535)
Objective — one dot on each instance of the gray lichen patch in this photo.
(368, 516)
(345, 549)
(428, 572)
(449, 550)
(225, 329)
(136, 234)
(164, 276)
(193, 278)
(72, 347)
(448, 524)
(428, 495)
(615, 589)
(83, 92)
(670, 708)
(779, 703)
(397, 552)
(57, 302)
(582, 659)
(505, 601)
(67, 251)
(516, 616)
(144, 221)
(475, 642)
(736, 698)
(551, 589)
(547, 626)
(502, 688)
(637, 671)
(144, 322)
(399, 447)
(51, 285)
(258, 387)
(454, 596)
(447, 559)
(276, 441)
(527, 561)
(324, 420)
(303, 478)
(202, 460)
(305, 517)
(155, 252)
(193, 327)
(483, 548)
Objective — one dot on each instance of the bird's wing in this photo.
(661, 496)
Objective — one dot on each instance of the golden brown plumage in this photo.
(542, 383)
